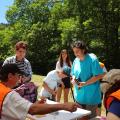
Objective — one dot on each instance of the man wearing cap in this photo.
(51, 82)
(111, 89)
(13, 106)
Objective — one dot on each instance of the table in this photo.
(62, 114)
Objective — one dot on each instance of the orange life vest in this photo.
(3, 92)
(114, 95)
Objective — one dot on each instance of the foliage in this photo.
(5, 43)
(51, 25)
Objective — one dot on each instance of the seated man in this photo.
(13, 106)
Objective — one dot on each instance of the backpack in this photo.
(28, 91)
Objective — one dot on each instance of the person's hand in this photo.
(73, 80)
(71, 106)
(82, 84)
(53, 92)
(42, 100)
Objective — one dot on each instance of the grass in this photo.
(38, 80)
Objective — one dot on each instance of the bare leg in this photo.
(59, 92)
(66, 92)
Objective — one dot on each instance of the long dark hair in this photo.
(67, 59)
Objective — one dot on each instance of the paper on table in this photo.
(64, 115)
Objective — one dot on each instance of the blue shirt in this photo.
(115, 107)
(83, 70)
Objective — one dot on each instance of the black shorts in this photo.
(66, 82)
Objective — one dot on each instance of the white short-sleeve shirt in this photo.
(51, 80)
(15, 107)
(58, 67)
(104, 69)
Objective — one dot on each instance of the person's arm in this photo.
(58, 67)
(97, 72)
(114, 110)
(28, 76)
(48, 108)
(16, 107)
(29, 70)
(48, 88)
(92, 80)
(95, 78)
(111, 116)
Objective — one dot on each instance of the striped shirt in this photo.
(24, 65)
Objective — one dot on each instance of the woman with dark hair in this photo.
(87, 71)
(111, 89)
(63, 61)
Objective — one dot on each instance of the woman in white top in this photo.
(63, 61)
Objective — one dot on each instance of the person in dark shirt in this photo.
(111, 89)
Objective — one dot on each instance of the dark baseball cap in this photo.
(10, 68)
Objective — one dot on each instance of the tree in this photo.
(50, 25)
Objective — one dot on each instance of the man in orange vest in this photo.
(111, 89)
(13, 106)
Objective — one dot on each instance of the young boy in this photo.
(51, 82)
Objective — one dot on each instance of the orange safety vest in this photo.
(3, 93)
(114, 95)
